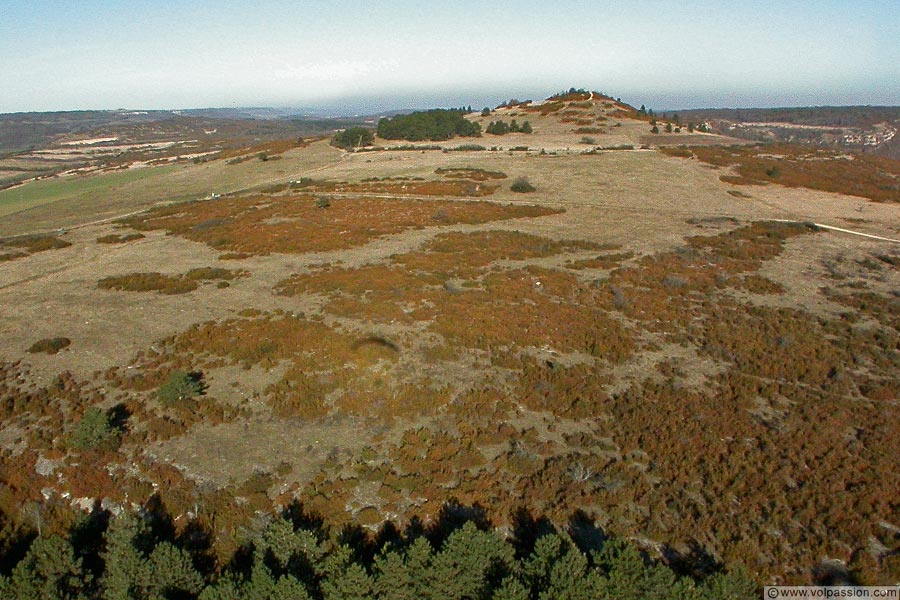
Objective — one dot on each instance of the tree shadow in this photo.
(453, 516)
(197, 539)
(695, 562)
(527, 530)
(118, 416)
(87, 538)
(585, 533)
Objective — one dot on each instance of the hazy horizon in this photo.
(354, 56)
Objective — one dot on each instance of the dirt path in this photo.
(842, 230)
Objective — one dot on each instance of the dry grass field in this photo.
(376, 333)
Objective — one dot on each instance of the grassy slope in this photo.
(48, 191)
(65, 202)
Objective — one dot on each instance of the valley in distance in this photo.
(556, 348)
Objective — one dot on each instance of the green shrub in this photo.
(180, 386)
(95, 431)
(522, 186)
(497, 128)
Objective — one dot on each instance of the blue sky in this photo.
(695, 53)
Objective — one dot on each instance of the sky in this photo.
(354, 55)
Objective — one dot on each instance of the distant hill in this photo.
(870, 129)
(26, 131)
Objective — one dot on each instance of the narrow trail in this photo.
(842, 230)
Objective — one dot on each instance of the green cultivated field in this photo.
(48, 191)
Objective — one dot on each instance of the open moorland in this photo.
(662, 336)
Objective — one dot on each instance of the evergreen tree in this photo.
(436, 124)
(227, 587)
(471, 564)
(393, 580)
(557, 569)
(353, 137)
(627, 576)
(126, 570)
(344, 578)
(526, 127)
(171, 571)
(498, 128)
(49, 571)
(292, 550)
(289, 588)
(95, 431)
(511, 589)
(735, 585)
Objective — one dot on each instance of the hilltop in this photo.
(591, 322)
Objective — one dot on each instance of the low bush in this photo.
(37, 243)
(50, 345)
(863, 175)
(466, 148)
(115, 238)
(167, 284)
(522, 186)
(471, 173)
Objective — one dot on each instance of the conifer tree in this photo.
(344, 578)
(470, 564)
(558, 569)
(171, 571)
(511, 589)
(50, 570)
(125, 569)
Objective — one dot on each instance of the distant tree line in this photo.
(437, 124)
(292, 556)
(502, 128)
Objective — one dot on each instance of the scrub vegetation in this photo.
(413, 380)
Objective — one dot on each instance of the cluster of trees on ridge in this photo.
(436, 124)
(353, 137)
(140, 556)
(502, 128)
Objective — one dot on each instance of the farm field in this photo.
(657, 337)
